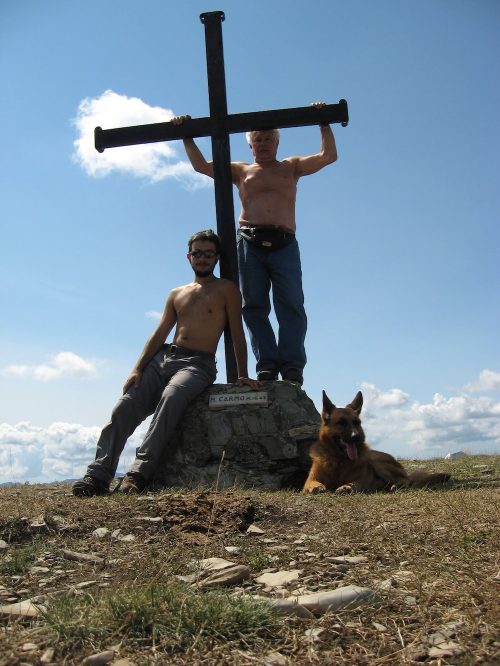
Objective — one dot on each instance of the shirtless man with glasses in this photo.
(167, 377)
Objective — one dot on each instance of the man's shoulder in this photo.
(227, 285)
(180, 288)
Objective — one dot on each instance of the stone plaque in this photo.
(221, 400)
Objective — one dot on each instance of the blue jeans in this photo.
(259, 270)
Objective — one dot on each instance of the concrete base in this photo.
(234, 443)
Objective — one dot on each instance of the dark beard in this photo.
(203, 274)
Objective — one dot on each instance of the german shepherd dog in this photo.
(343, 462)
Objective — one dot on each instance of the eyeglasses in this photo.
(208, 254)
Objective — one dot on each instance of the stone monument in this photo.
(233, 436)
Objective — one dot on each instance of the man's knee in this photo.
(126, 407)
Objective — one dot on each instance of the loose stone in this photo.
(231, 576)
(254, 530)
(279, 578)
(99, 659)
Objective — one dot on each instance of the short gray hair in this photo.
(275, 131)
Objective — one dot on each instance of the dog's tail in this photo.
(424, 480)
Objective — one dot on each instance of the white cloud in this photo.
(154, 314)
(153, 161)
(487, 381)
(63, 364)
(392, 398)
(60, 451)
(433, 429)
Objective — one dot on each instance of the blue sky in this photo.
(399, 238)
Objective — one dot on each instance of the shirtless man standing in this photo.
(167, 377)
(268, 253)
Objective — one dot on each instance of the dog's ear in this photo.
(357, 403)
(328, 408)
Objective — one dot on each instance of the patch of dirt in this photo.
(207, 513)
(15, 530)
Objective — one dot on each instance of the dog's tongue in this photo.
(352, 451)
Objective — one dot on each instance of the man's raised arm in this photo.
(196, 157)
(198, 161)
(304, 166)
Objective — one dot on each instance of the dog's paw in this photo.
(347, 489)
(316, 490)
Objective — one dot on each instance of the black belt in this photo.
(270, 228)
(267, 237)
(176, 350)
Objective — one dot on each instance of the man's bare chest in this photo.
(279, 177)
(199, 303)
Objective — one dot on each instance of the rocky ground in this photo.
(426, 563)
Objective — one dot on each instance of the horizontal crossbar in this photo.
(232, 124)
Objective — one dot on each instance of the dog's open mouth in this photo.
(351, 449)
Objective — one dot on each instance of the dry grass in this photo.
(439, 547)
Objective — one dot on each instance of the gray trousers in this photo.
(168, 384)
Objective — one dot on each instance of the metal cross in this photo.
(219, 125)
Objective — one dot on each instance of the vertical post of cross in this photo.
(221, 155)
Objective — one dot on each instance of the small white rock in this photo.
(21, 609)
(233, 550)
(450, 649)
(128, 538)
(226, 577)
(315, 635)
(253, 529)
(350, 596)
(215, 564)
(29, 647)
(48, 656)
(84, 584)
(99, 659)
(350, 559)
(379, 627)
(279, 578)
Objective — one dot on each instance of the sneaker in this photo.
(293, 375)
(90, 486)
(267, 375)
(133, 484)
